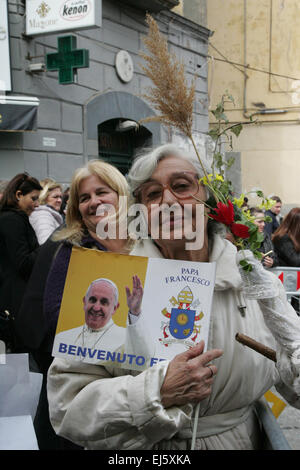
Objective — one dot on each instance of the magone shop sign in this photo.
(51, 16)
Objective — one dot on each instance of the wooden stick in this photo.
(258, 347)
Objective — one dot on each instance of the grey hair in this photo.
(145, 163)
(107, 281)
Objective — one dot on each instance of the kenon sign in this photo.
(45, 16)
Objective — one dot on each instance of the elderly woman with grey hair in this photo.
(104, 408)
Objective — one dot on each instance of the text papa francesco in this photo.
(106, 356)
(188, 275)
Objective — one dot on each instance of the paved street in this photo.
(289, 421)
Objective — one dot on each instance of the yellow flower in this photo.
(210, 178)
(267, 204)
(219, 178)
(239, 201)
(248, 216)
(204, 179)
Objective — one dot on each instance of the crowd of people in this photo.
(94, 406)
(281, 246)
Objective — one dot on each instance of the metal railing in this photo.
(290, 278)
(273, 437)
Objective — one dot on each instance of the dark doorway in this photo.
(119, 139)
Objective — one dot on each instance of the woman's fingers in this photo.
(204, 360)
(210, 370)
(191, 353)
(210, 355)
(189, 376)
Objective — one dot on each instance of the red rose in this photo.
(225, 215)
(240, 230)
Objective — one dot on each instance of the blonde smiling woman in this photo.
(92, 186)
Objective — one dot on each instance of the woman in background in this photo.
(18, 243)
(46, 218)
(269, 259)
(286, 239)
(64, 204)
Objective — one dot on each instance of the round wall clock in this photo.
(124, 66)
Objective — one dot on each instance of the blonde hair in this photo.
(74, 230)
(46, 181)
(47, 188)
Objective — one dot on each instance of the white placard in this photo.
(17, 433)
(5, 74)
(182, 292)
(51, 16)
(49, 142)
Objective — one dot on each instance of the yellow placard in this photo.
(86, 266)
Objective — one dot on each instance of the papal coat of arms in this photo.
(183, 317)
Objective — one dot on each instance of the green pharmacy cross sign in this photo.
(67, 59)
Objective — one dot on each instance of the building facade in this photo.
(96, 116)
(253, 54)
